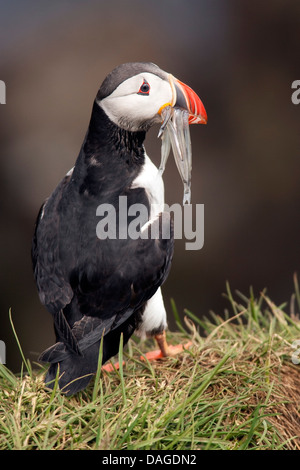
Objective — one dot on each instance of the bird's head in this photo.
(134, 95)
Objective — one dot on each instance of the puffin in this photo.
(99, 288)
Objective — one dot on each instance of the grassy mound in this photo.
(236, 388)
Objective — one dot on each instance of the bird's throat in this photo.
(110, 157)
(106, 137)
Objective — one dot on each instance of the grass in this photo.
(236, 388)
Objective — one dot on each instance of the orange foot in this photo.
(111, 367)
(165, 349)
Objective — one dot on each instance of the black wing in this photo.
(54, 290)
(147, 265)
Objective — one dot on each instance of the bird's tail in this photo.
(72, 371)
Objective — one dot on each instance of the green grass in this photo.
(236, 388)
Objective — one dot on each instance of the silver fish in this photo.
(175, 132)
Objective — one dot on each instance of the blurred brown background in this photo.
(241, 57)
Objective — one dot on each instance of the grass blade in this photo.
(25, 362)
(177, 317)
(98, 373)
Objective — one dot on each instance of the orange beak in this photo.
(185, 98)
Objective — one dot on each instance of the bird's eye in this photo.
(145, 88)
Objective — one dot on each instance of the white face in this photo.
(135, 103)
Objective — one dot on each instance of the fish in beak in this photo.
(186, 108)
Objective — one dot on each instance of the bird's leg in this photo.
(165, 349)
(162, 343)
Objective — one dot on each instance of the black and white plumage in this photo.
(101, 288)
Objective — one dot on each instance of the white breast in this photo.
(150, 179)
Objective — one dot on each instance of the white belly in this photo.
(150, 179)
(154, 318)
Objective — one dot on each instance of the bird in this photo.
(99, 289)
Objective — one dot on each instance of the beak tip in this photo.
(198, 119)
(188, 99)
